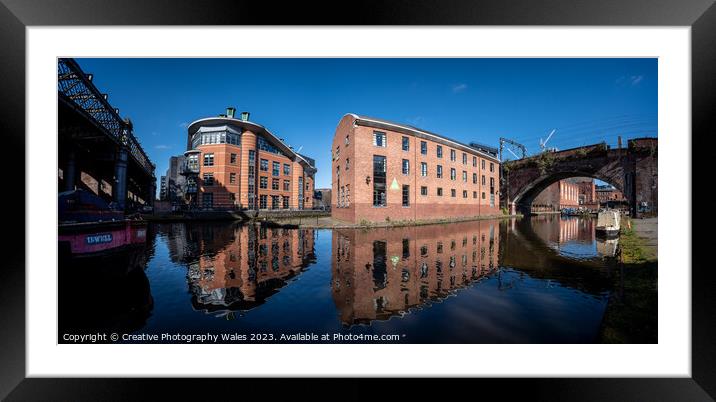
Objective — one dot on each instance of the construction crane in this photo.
(543, 144)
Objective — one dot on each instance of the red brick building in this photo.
(233, 163)
(388, 171)
(559, 195)
(609, 193)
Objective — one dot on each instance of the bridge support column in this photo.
(119, 189)
(70, 172)
(513, 208)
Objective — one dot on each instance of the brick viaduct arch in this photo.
(632, 170)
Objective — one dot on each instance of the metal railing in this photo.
(74, 86)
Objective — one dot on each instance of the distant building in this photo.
(163, 188)
(173, 183)
(234, 163)
(389, 171)
(559, 195)
(607, 193)
(322, 198)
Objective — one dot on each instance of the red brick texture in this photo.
(352, 198)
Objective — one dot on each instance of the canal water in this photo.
(544, 279)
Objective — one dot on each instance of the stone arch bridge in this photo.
(632, 170)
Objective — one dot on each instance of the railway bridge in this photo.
(97, 148)
(632, 170)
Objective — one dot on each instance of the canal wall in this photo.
(232, 215)
(332, 223)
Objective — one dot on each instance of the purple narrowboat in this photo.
(89, 226)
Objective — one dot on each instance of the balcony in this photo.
(189, 169)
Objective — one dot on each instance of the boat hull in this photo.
(91, 239)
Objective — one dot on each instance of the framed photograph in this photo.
(408, 190)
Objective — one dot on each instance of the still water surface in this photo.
(544, 279)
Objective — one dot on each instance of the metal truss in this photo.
(512, 146)
(76, 87)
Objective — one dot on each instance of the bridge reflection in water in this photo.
(384, 272)
(491, 281)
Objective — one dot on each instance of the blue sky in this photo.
(302, 100)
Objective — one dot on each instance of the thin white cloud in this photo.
(416, 121)
(184, 124)
(459, 87)
(636, 79)
(162, 146)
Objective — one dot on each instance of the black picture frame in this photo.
(16, 15)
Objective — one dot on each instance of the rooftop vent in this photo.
(230, 111)
(245, 116)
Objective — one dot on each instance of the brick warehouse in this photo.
(388, 171)
(237, 164)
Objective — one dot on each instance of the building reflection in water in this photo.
(380, 273)
(573, 236)
(233, 267)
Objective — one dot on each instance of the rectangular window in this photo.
(287, 185)
(406, 195)
(440, 172)
(348, 140)
(474, 161)
(274, 184)
(274, 202)
(286, 169)
(208, 159)
(232, 178)
(474, 194)
(482, 163)
(440, 192)
(452, 155)
(233, 159)
(405, 143)
(453, 174)
(464, 193)
(474, 178)
(423, 190)
(348, 164)
(492, 167)
(406, 166)
(464, 176)
(464, 158)
(264, 165)
(379, 194)
(452, 192)
(207, 200)
(483, 195)
(252, 157)
(423, 147)
(285, 202)
(483, 179)
(276, 167)
(208, 179)
(423, 169)
(440, 151)
(379, 139)
(492, 185)
(262, 201)
(263, 182)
